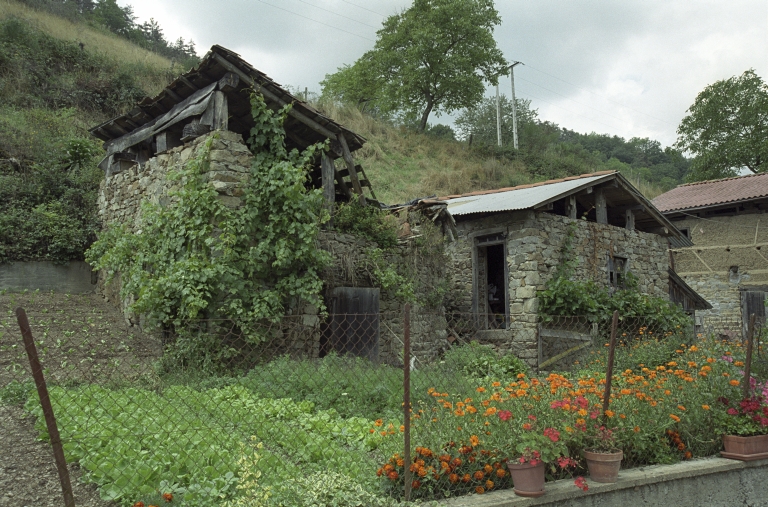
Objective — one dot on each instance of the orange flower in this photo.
(480, 389)
(705, 407)
(733, 382)
(681, 408)
(674, 417)
(167, 497)
(474, 440)
(609, 413)
(489, 484)
(636, 429)
(479, 475)
(454, 478)
(479, 490)
(378, 422)
(138, 504)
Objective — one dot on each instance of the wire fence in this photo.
(308, 405)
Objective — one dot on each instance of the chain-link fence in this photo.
(300, 410)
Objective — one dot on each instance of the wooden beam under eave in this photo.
(271, 96)
(175, 96)
(188, 83)
(571, 205)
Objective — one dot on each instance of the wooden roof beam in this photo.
(271, 96)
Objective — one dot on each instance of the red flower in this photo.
(581, 483)
(504, 415)
(732, 411)
(552, 433)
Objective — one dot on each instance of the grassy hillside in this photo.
(59, 77)
(403, 164)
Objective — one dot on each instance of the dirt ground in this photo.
(80, 338)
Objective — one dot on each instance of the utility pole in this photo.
(514, 104)
(498, 116)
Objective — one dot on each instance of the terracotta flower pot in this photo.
(528, 480)
(745, 448)
(604, 466)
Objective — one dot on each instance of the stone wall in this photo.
(121, 196)
(730, 254)
(534, 241)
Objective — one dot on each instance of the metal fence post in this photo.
(45, 403)
(748, 365)
(609, 371)
(407, 399)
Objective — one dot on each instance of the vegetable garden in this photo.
(330, 431)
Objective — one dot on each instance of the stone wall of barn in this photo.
(120, 199)
(534, 241)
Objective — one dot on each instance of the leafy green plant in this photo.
(196, 257)
(481, 361)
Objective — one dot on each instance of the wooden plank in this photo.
(341, 184)
(359, 168)
(271, 96)
(572, 207)
(175, 96)
(601, 209)
(565, 334)
(229, 82)
(630, 220)
(351, 166)
(329, 189)
(220, 111)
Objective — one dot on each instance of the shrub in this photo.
(481, 361)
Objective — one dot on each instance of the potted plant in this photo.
(744, 426)
(529, 448)
(602, 452)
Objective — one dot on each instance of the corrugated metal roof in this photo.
(525, 197)
(704, 194)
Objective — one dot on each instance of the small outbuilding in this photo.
(510, 242)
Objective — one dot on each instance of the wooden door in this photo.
(355, 321)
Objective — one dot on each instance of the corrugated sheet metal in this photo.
(523, 198)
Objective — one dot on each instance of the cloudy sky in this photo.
(624, 67)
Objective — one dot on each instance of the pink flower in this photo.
(581, 483)
(504, 415)
(531, 417)
(728, 359)
(581, 401)
(732, 411)
(552, 433)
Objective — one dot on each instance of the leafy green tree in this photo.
(436, 56)
(727, 128)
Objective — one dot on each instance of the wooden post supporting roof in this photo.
(328, 172)
(630, 220)
(572, 206)
(601, 210)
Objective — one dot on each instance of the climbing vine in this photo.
(197, 258)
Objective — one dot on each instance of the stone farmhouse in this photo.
(161, 133)
(727, 221)
(510, 240)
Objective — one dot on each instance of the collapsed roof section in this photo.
(603, 197)
(216, 95)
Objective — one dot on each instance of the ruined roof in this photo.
(619, 193)
(705, 194)
(214, 66)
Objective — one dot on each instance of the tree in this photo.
(480, 120)
(117, 19)
(433, 57)
(727, 128)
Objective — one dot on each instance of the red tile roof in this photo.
(711, 193)
(507, 189)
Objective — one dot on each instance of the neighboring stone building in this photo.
(510, 241)
(727, 222)
(161, 134)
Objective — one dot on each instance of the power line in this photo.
(316, 21)
(364, 8)
(597, 95)
(337, 14)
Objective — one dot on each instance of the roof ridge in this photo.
(720, 179)
(527, 185)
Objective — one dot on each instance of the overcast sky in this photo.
(624, 67)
